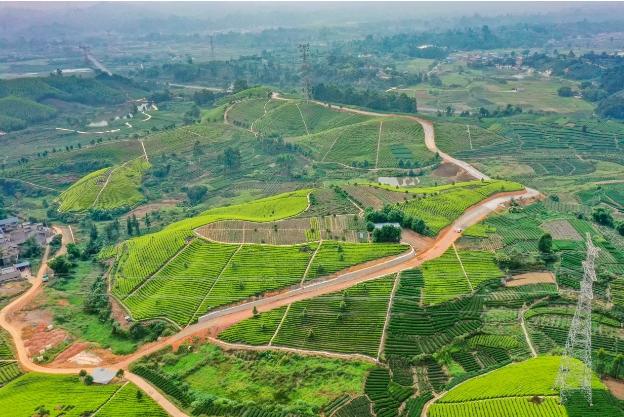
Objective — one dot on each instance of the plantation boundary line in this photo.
(302, 119)
(462, 267)
(110, 174)
(144, 151)
(29, 183)
(215, 282)
(378, 144)
(279, 326)
(97, 410)
(145, 281)
(382, 342)
(305, 273)
(329, 150)
(306, 352)
(343, 405)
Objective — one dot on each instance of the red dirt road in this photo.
(213, 322)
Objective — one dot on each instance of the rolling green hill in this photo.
(106, 189)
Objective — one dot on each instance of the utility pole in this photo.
(571, 376)
(304, 50)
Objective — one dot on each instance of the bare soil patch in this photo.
(141, 211)
(286, 232)
(13, 288)
(451, 171)
(370, 196)
(531, 278)
(561, 230)
(616, 387)
(420, 243)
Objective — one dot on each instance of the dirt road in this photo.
(215, 321)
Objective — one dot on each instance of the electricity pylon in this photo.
(304, 49)
(578, 345)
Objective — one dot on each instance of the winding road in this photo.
(220, 319)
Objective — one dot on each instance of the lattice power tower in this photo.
(572, 377)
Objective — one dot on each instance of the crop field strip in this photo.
(487, 396)
(350, 321)
(178, 289)
(455, 274)
(106, 189)
(286, 232)
(70, 397)
(414, 329)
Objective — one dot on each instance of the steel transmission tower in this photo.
(304, 49)
(571, 376)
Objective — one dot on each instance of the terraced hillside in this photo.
(153, 273)
(436, 206)
(522, 389)
(42, 394)
(331, 135)
(106, 189)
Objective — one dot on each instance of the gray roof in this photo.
(22, 264)
(103, 375)
(380, 225)
(8, 220)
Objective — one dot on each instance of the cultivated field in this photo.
(106, 189)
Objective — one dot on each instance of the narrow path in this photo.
(144, 151)
(469, 136)
(302, 119)
(525, 331)
(299, 351)
(110, 174)
(461, 264)
(109, 399)
(279, 326)
(305, 273)
(229, 261)
(382, 342)
(378, 144)
(163, 266)
(30, 183)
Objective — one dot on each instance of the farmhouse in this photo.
(13, 233)
(9, 273)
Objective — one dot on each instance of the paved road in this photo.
(226, 317)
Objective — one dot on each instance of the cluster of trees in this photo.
(603, 216)
(365, 98)
(196, 193)
(231, 159)
(506, 111)
(392, 214)
(132, 226)
(387, 233)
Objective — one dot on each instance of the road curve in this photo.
(220, 319)
(427, 126)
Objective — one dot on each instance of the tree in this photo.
(139, 395)
(73, 252)
(565, 91)
(545, 243)
(82, 373)
(196, 193)
(255, 311)
(387, 233)
(231, 159)
(620, 228)
(60, 265)
(240, 85)
(603, 216)
(88, 380)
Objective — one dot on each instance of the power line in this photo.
(578, 344)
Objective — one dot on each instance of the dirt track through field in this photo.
(218, 320)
